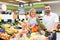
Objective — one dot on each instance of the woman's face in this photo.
(33, 13)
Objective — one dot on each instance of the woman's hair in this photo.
(14, 10)
(31, 11)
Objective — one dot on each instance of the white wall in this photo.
(56, 8)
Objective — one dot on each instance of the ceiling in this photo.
(23, 1)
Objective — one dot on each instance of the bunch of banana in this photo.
(9, 29)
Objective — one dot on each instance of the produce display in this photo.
(8, 32)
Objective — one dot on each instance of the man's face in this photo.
(47, 9)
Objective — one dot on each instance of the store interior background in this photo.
(20, 6)
(55, 5)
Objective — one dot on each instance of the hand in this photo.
(55, 29)
(49, 31)
(32, 26)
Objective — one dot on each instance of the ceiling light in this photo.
(36, 0)
(30, 4)
(17, 0)
(21, 1)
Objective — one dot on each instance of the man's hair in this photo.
(47, 5)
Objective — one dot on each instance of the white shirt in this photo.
(49, 21)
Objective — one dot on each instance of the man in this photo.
(50, 20)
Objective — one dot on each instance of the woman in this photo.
(15, 16)
(32, 20)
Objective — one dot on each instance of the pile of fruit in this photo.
(4, 36)
(6, 31)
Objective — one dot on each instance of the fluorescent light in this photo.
(36, 0)
(30, 4)
(47, 2)
(21, 1)
(17, 0)
(21, 5)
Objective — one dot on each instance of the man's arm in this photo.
(56, 22)
(55, 25)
